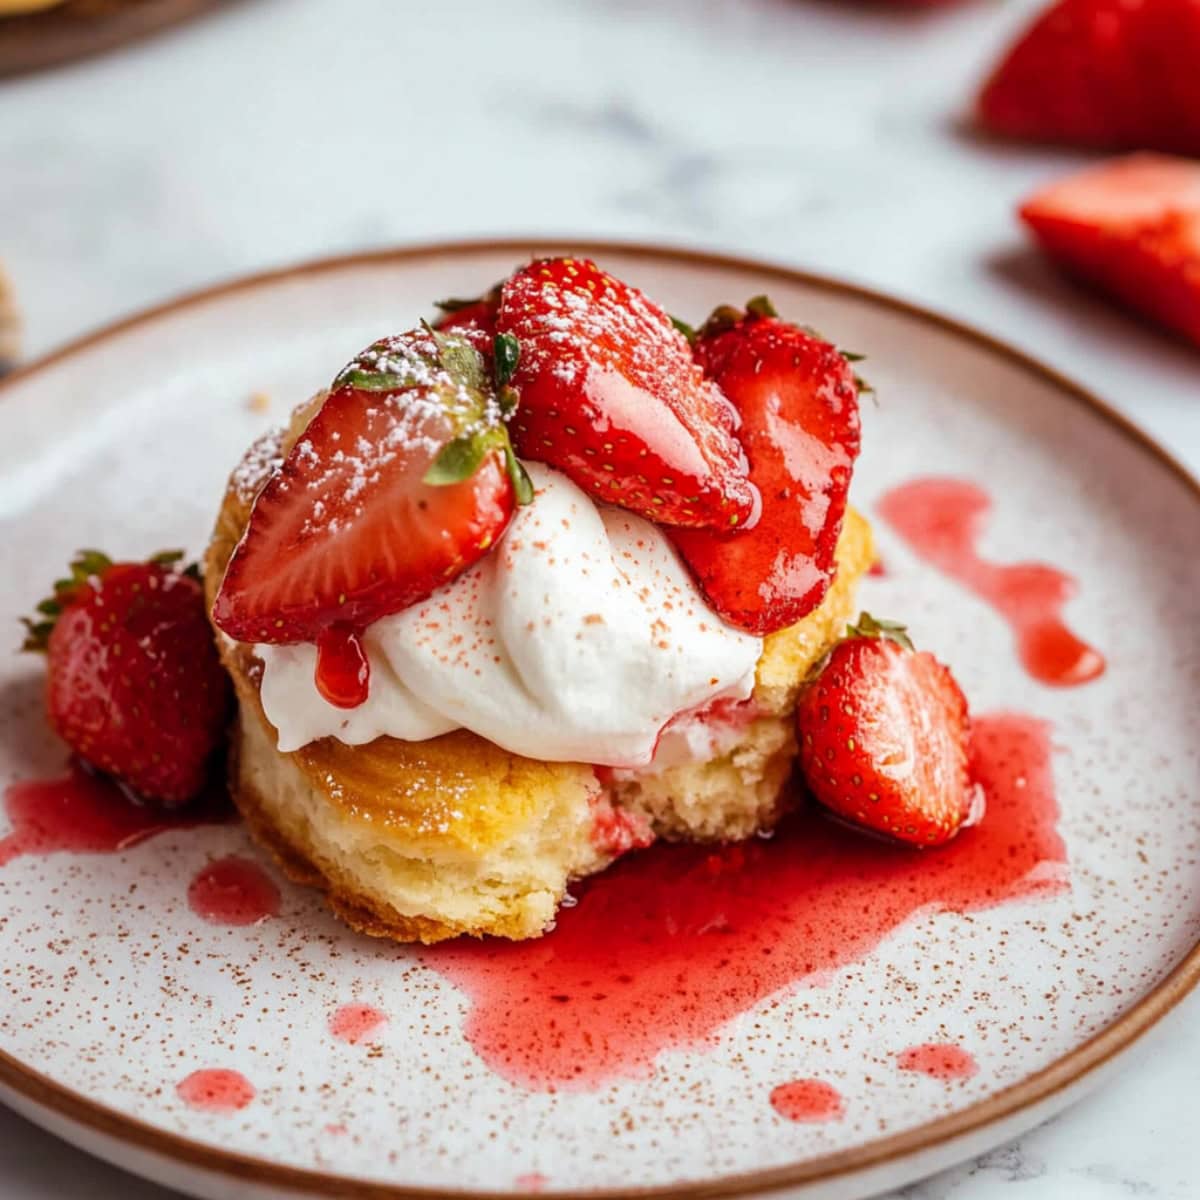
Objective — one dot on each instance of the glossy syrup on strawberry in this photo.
(941, 520)
(343, 675)
(610, 394)
(797, 397)
(670, 943)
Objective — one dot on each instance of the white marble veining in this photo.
(816, 132)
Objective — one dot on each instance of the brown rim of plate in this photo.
(1070, 1069)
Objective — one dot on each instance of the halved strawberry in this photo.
(402, 480)
(884, 738)
(1132, 228)
(798, 400)
(1121, 74)
(611, 396)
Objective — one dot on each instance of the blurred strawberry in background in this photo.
(1132, 228)
(1119, 74)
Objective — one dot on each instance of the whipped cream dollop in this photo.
(576, 640)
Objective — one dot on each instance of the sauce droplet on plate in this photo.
(233, 891)
(938, 1060)
(671, 942)
(216, 1090)
(941, 520)
(83, 813)
(354, 1022)
(808, 1100)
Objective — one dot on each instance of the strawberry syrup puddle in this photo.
(233, 891)
(82, 813)
(938, 1060)
(354, 1023)
(670, 943)
(941, 520)
(216, 1090)
(808, 1100)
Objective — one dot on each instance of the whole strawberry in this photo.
(133, 681)
(884, 735)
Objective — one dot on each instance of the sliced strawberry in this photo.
(1121, 74)
(133, 682)
(1132, 228)
(884, 736)
(402, 480)
(611, 396)
(798, 400)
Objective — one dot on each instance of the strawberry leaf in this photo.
(683, 327)
(457, 460)
(455, 304)
(507, 351)
(522, 484)
(761, 306)
(869, 627)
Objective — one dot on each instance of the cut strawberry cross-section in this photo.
(403, 479)
(611, 395)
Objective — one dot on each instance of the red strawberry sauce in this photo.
(81, 813)
(941, 520)
(343, 672)
(233, 891)
(938, 1060)
(670, 943)
(808, 1100)
(354, 1023)
(216, 1090)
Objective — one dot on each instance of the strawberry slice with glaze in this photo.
(798, 399)
(402, 480)
(611, 396)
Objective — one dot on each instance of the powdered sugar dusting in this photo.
(259, 463)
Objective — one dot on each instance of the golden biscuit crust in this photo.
(420, 841)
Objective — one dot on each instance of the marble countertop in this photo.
(820, 133)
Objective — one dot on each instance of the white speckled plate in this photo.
(114, 992)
